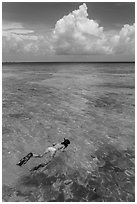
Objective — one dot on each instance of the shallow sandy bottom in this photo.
(93, 106)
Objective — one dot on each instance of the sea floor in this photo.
(91, 104)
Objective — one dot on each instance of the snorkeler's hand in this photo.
(53, 144)
(63, 150)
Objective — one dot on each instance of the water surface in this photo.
(93, 105)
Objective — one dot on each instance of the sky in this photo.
(68, 31)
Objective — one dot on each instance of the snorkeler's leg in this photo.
(40, 155)
(37, 167)
(52, 156)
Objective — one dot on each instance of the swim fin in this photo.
(25, 159)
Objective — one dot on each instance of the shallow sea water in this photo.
(92, 104)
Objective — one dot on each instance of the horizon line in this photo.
(68, 62)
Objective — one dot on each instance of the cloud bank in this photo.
(20, 40)
(73, 34)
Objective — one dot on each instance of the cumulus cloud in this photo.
(77, 34)
(124, 41)
(73, 34)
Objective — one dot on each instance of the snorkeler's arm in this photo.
(63, 149)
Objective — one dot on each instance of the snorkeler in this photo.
(52, 150)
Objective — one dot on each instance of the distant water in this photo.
(92, 104)
(95, 67)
